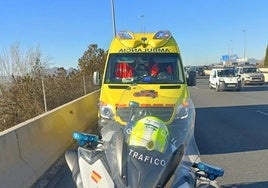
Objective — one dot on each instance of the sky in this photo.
(204, 29)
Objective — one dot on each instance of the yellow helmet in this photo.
(149, 132)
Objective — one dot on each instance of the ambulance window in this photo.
(144, 68)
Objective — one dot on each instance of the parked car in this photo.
(200, 71)
(224, 79)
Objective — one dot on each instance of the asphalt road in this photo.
(231, 131)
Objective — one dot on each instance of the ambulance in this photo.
(149, 67)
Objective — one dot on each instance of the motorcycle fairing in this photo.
(94, 175)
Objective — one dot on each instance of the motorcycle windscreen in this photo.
(151, 169)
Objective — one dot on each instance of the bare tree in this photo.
(17, 62)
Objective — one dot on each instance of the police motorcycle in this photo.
(146, 145)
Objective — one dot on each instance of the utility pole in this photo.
(44, 93)
(41, 74)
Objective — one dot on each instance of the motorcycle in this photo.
(146, 144)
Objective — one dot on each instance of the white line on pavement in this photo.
(261, 112)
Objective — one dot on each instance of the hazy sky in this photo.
(204, 29)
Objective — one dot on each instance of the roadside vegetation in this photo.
(266, 58)
(28, 88)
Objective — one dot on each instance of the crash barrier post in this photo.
(29, 149)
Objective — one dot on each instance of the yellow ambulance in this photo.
(149, 67)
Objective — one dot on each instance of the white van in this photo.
(224, 79)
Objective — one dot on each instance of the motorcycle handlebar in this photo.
(84, 138)
(211, 171)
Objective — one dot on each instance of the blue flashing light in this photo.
(162, 35)
(83, 138)
(125, 35)
(147, 79)
(212, 171)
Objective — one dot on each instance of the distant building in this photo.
(242, 60)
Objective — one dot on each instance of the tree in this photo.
(20, 101)
(92, 60)
(266, 58)
(21, 96)
(30, 90)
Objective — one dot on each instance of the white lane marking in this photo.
(261, 112)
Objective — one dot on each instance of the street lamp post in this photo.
(231, 47)
(142, 27)
(244, 31)
(113, 17)
(231, 52)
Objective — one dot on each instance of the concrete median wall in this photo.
(30, 148)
